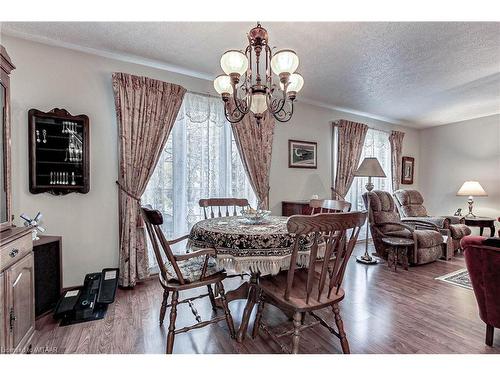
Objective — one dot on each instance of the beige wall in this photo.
(453, 153)
(47, 77)
(311, 123)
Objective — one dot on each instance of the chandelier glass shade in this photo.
(256, 80)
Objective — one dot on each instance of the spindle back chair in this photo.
(230, 206)
(197, 273)
(304, 290)
(320, 206)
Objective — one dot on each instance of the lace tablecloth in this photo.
(241, 247)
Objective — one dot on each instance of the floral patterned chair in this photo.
(411, 208)
(385, 222)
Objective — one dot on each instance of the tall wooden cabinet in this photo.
(17, 290)
(2, 313)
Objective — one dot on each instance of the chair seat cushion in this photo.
(428, 238)
(425, 238)
(458, 231)
(191, 269)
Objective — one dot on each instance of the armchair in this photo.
(385, 221)
(482, 258)
(184, 272)
(411, 208)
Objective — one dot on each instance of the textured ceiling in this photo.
(417, 73)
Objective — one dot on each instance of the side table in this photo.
(301, 207)
(48, 273)
(398, 250)
(481, 222)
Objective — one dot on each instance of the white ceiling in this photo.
(419, 74)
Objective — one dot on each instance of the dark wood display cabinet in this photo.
(58, 152)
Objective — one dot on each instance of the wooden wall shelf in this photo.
(58, 152)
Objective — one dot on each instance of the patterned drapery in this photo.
(351, 137)
(199, 160)
(255, 144)
(396, 141)
(146, 110)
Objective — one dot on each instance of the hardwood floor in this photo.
(383, 312)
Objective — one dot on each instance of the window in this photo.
(200, 160)
(376, 145)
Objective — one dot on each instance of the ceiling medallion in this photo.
(242, 88)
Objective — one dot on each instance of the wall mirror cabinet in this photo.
(58, 152)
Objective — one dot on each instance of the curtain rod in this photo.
(336, 124)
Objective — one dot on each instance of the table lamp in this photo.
(369, 167)
(472, 189)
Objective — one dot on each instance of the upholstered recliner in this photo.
(482, 257)
(411, 208)
(385, 222)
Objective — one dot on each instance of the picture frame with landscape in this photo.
(302, 154)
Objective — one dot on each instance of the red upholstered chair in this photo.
(483, 263)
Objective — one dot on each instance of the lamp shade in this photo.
(296, 81)
(284, 61)
(370, 167)
(222, 84)
(233, 61)
(473, 188)
(259, 104)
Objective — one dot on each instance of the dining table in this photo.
(242, 246)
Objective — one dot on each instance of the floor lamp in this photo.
(369, 167)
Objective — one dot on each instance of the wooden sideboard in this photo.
(17, 290)
(289, 208)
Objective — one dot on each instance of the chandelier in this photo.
(243, 89)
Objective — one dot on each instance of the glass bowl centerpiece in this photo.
(253, 216)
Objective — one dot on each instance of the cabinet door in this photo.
(21, 306)
(3, 338)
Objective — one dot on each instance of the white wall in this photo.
(453, 153)
(48, 77)
(311, 123)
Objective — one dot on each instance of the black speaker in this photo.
(48, 277)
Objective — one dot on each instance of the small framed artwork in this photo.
(407, 170)
(302, 154)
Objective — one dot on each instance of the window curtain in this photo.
(199, 160)
(377, 145)
(396, 141)
(350, 139)
(255, 144)
(146, 110)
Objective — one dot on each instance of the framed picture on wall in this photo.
(302, 154)
(407, 170)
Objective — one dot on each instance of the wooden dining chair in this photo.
(218, 206)
(319, 206)
(305, 290)
(184, 272)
